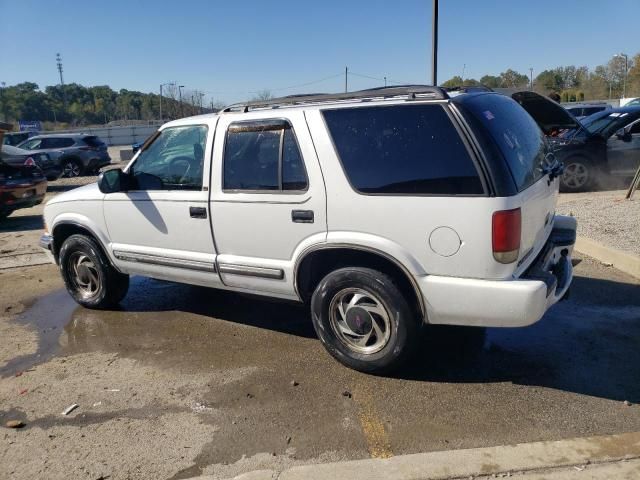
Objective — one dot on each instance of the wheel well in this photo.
(63, 231)
(317, 264)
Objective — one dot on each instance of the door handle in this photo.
(302, 216)
(198, 212)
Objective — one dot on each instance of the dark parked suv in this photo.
(76, 154)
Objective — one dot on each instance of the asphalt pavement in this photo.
(183, 381)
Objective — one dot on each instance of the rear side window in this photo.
(591, 110)
(59, 142)
(263, 155)
(93, 141)
(402, 149)
(515, 132)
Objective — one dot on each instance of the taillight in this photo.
(29, 162)
(506, 229)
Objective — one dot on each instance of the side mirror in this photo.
(111, 181)
(624, 135)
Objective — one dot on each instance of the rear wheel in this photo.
(363, 320)
(72, 168)
(579, 175)
(88, 275)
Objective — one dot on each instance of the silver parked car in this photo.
(75, 154)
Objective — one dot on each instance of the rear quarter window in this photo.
(514, 131)
(402, 149)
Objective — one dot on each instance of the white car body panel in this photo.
(249, 243)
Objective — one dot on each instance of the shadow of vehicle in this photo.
(21, 223)
(586, 345)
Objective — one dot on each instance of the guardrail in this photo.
(114, 136)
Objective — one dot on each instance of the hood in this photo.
(85, 193)
(548, 114)
(609, 122)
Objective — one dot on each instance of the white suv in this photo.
(385, 209)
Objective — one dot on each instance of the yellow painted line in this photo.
(378, 442)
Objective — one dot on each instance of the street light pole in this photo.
(626, 70)
(531, 76)
(180, 87)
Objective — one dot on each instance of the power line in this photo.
(299, 85)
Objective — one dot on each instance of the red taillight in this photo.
(29, 162)
(505, 234)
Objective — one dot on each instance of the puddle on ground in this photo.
(48, 316)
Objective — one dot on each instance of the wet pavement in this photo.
(266, 393)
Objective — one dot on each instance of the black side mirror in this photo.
(114, 180)
(624, 135)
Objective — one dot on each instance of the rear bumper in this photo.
(506, 303)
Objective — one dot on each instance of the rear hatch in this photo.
(94, 143)
(521, 145)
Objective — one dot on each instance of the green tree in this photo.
(491, 81)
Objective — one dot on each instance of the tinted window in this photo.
(635, 128)
(591, 110)
(173, 161)
(254, 159)
(33, 144)
(402, 149)
(93, 141)
(294, 176)
(514, 131)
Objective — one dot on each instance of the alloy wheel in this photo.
(575, 175)
(71, 169)
(84, 274)
(360, 320)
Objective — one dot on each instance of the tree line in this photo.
(570, 82)
(59, 106)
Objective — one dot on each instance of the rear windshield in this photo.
(402, 149)
(516, 134)
(93, 141)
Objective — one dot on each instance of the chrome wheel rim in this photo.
(575, 175)
(71, 169)
(85, 274)
(360, 320)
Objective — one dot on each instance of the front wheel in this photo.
(578, 176)
(71, 168)
(88, 275)
(363, 320)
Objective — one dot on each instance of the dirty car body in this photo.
(386, 210)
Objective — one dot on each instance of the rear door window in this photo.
(263, 156)
(402, 149)
(515, 132)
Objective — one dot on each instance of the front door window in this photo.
(173, 161)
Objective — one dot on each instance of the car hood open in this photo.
(547, 114)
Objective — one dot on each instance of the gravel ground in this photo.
(606, 217)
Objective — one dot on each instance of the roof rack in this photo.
(412, 92)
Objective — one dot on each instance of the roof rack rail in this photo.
(410, 91)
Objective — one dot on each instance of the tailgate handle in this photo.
(198, 212)
(302, 216)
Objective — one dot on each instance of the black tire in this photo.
(89, 277)
(579, 175)
(72, 167)
(403, 324)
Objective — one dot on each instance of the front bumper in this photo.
(46, 243)
(506, 303)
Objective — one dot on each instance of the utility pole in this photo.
(531, 76)
(346, 81)
(180, 87)
(385, 81)
(464, 67)
(434, 44)
(60, 69)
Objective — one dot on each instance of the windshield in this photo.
(597, 122)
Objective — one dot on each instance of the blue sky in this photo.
(231, 49)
